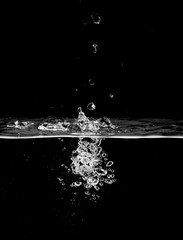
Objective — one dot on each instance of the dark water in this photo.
(143, 202)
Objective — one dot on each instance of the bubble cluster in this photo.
(88, 164)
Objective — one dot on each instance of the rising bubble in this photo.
(111, 95)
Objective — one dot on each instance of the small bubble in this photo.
(110, 163)
(111, 95)
(87, 192)
(91, 82)
(95, 46)
(91, 106)
(104, 155)
(96, 18)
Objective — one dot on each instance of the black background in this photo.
(144, 200)
(46, 55)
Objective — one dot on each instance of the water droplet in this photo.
(91, 82)
(91, 106)
(96, 18)
(95, 46)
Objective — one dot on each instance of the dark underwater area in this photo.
(144, 200)
(47, 60)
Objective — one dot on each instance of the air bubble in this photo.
(87, 193)
(96, 188)
(76, 184)
(104, 155)
(111, 95)
(95, 46)
(91, 106)
(110, 163)
(91, 82)
(96, 18)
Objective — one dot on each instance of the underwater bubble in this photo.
(76, 184)
(101, 171)
(91, 82)
(91, 106)
(96, 18)
(108, 181)
(110, 170)
(111, 95)
(110, 176)
(97, 188)
(104, 155)
(95, 47)
(110, 163)
(102, 179)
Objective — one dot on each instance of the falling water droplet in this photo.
(91, 82)
(91, 106)
(96, 18)
(95, 46)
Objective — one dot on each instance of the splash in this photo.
(95, 47)
(92, 126)
(20, 124)
(89, 161)
(55, 125)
